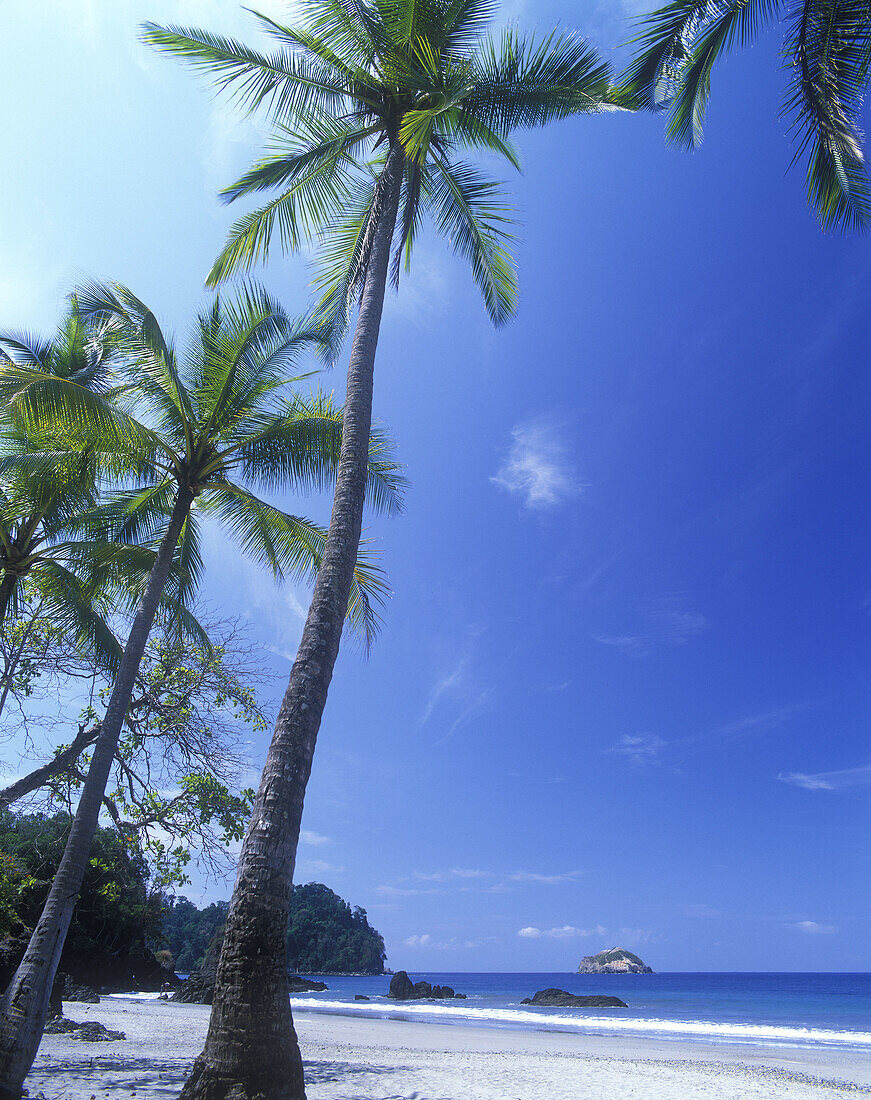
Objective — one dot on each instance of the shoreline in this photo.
(369, 1059)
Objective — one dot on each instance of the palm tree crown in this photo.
(360, 77)
(218, 422)
(826, 52)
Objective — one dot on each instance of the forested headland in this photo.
(126, 935)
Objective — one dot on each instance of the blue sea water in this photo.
(807, 1010)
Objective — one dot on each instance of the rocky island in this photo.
(614, 960)
(559, 998)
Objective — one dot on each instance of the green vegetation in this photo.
(826, 56)
(325, 934)
(115, 913)
(217, 423)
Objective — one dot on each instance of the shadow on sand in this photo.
(150, 1079)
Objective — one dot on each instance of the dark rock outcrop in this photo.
(403, 989)
(614, 960)
(360, 997)
(559, 998)
(74, 991)
(89, 1032)
(296, 984)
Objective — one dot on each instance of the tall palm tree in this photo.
(373, 103)
(827, 55)
(215, 423)
(47, 484)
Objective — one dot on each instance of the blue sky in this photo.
(622, 693)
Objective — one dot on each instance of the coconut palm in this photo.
(826, 54)
(47, 484)
(215, 425)
(374, 104)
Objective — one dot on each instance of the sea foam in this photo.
(710, 1030)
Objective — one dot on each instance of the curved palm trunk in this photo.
(6, 587)
(25, 1003)
(251, 1051)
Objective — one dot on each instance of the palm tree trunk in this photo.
(6, 586)
(251, 1050)
(25, 1003)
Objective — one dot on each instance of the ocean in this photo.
(805, 1010)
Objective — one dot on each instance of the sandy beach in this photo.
(375, 1059)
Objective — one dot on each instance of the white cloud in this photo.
(317, 840)
(664, 623)
(829, 781)
(569, 932)
(813, 928)
(640, 749)
(538, 466)
(453, 873)
(645, 748)
(635, 937)
(700, 910)
(566, 932)
(422, 940)
(544, 880)
(458, 692)
(319, 867)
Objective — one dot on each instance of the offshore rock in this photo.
(615, 960)
(296, 984)
(559, 998)
(403, 989)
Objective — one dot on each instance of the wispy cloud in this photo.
(471, 880)
(317, 840)
(812, 927)
(538, 466)
(640, 748)
(458, 695)
(566, 932)
(648, 748)
(421, 940)
(664, 623)
(544, 880)
(829, 781)
(464, 873)
(319, 867)
(701, 911)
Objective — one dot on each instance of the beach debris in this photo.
(614, 960)
(559, 998)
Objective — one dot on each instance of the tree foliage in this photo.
(115, 911)
(325, 935)
(827, 59)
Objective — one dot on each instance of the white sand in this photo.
(348, 1058)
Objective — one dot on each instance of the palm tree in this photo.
(46, 485)
(826, 51)
(373, 103)
(215, 422)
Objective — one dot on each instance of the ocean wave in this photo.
(694, 1029)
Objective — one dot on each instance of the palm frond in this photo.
(284, 83)
(466, 208)
(522, 83)
(828, 49)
